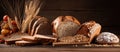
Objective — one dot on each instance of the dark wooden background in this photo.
(105, 12)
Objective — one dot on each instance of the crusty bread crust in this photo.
(90, 29)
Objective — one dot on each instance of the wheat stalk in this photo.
(31, 10)
(22, 11)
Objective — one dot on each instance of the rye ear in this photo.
(17, 22)
(32, 8)
(10, 24)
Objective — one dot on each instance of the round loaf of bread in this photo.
(107, 38)
(65, 26)
(67, 29)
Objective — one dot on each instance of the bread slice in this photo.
(14, 37)
(36, 23)
(39, 39)
(25, 43)
(44, 28)
(40, 25)
(29, 38)
(31, 24)
(95, 31)
(44, 38)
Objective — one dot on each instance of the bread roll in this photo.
(107, 38)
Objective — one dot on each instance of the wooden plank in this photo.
(104, 18)
(78, 4)
(60, 49)
(102, 11)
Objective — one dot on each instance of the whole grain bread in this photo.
(90, 29)
(65, 25)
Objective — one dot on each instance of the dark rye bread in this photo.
(36, 23)
(41, 26)
(31, 24)
(44, 28)
(14, 37)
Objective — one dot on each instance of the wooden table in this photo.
(59, 49)
(39, 48)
